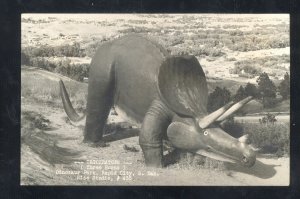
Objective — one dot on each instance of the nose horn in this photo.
(244, 139)
(209, 119)
(255, 148)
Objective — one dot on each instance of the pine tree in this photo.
(267, 90)
(284, 87)
(218, 98)
(251, 90)
(240, 94)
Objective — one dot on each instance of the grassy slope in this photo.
(42, 86)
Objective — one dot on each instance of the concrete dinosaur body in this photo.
(166, 94)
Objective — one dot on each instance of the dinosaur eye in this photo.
(245, 159)
(205, 133)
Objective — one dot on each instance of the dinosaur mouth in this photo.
(217, 155)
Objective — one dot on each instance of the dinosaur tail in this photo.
(72, 115)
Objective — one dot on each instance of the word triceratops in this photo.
(166, 94)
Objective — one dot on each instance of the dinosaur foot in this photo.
(100, 143)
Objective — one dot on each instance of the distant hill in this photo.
(255, 106)
(231, 85)
(283, 106)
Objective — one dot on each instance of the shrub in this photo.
(271, 138)
(64, 67)
(250, 41)
(35, 120)
(245, 67)
(70, 50)
(41, 62)
(74, 71)
(137, 21)
(268, 119)
(138, 29)
(235, 33)
(177, 40)
(207, 51)
(278, 42)
(231, 59)
(92, 47)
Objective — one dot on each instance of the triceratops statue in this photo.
(166, 94)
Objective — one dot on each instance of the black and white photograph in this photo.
(155, 99)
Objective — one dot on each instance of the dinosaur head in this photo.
(211, 142)
(219, 143)
(183, 88)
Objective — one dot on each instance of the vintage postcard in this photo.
(155, 99)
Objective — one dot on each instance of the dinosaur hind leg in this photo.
(99, 103)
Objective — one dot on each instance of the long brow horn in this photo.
(73, 116)
(209, 119)
(234, 108)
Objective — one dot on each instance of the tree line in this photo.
(265, 91)
(73, 50)
(37, 57)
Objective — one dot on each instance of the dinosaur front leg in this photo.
(154, 127)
